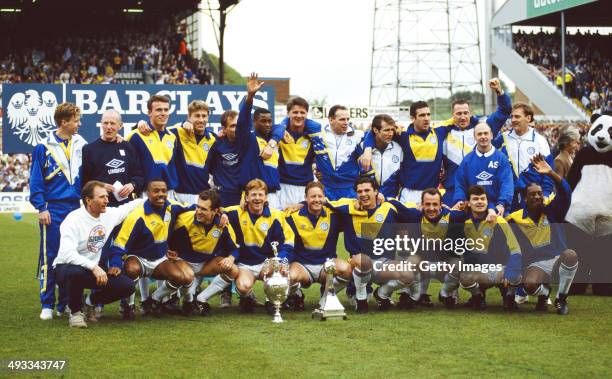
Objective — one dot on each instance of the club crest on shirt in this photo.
(170, 144)
(167, 217)
(379, 217)
(305, 144)
(531, 150)
(216, 233)
(432, 140)
(349, 142)
(206, 147)
(324, 226)
(264, 227)
(395, 159)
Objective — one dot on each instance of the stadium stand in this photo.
(589, 76)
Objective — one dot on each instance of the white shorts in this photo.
(546, 265)
(196, 267)
(410, 195)
(313, 270)
(149, 266)
(290, 194)
(253, 269)
(273, 200)
(186, 198)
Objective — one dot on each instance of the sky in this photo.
(324, 46)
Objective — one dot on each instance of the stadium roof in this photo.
(49, 16)
(579, 13)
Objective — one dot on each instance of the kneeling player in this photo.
(144, 238)
(256, 227)
(206, 246)
(316, 228)
(539, 233)
(493, 243)
(361, 227)
(434, 223)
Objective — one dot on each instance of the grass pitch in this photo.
(421, 343)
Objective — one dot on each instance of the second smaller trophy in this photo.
(330, 307)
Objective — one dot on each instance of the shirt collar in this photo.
(487, 154)
(304, 212)
(148, 208)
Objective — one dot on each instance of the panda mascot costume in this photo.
(590, 213)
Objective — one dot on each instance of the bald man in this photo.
(113, 163)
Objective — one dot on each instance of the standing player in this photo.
(207, 247)
(157, 148)
(387, 155)
(494, 244)
(344, 146)
(520, 145)
(361, 227)
(225, 160)
(316, 229)
(109, 161)
(55, 191)
(461, 140)
(143, 237)
(259, 144)
(538, 228)
(256, 227)
(78, 265)
(422, 153)
(487, 167)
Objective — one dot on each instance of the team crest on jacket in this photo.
(531, 150)
(216, 233)
(264, 227)
(379, 217)
(324, 226)
(305, 144)
(205, 147)
(170, 144)
(395, 159)
(31, 115)
(95, 240)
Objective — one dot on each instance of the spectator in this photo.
(569, 143)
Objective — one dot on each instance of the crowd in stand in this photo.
(164, 58)
(588, 58)
(14, 172)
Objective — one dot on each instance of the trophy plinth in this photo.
(276, 286)
(330, 307)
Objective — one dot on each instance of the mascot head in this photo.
(600, 134)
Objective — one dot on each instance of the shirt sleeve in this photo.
(37, 178)
(121, 212)
(497, 119)
(506, 178)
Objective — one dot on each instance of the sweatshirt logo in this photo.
(115, 163)
(96, 238)
(484, 179)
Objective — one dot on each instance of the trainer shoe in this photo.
(98, 311)
(246, 304)
(226, 298)
(270, 308)
(561, 305)
(425, 301)
(128, 312)
(521, 297)
(46, 314)
(172, 306)
(478, 302)
(449, 301)
(77, 320)
(157, 308)
(59, 312)
(188, 308)
(542, 304)
(405, 301)
(89, 313)
(146, 307)
(204, 308)
(298, 302)
(362, 306)
(383, 304)
(510, 304)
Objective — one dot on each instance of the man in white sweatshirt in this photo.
(78, 266)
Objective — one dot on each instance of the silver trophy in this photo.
(330, 307)
(276, 281)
